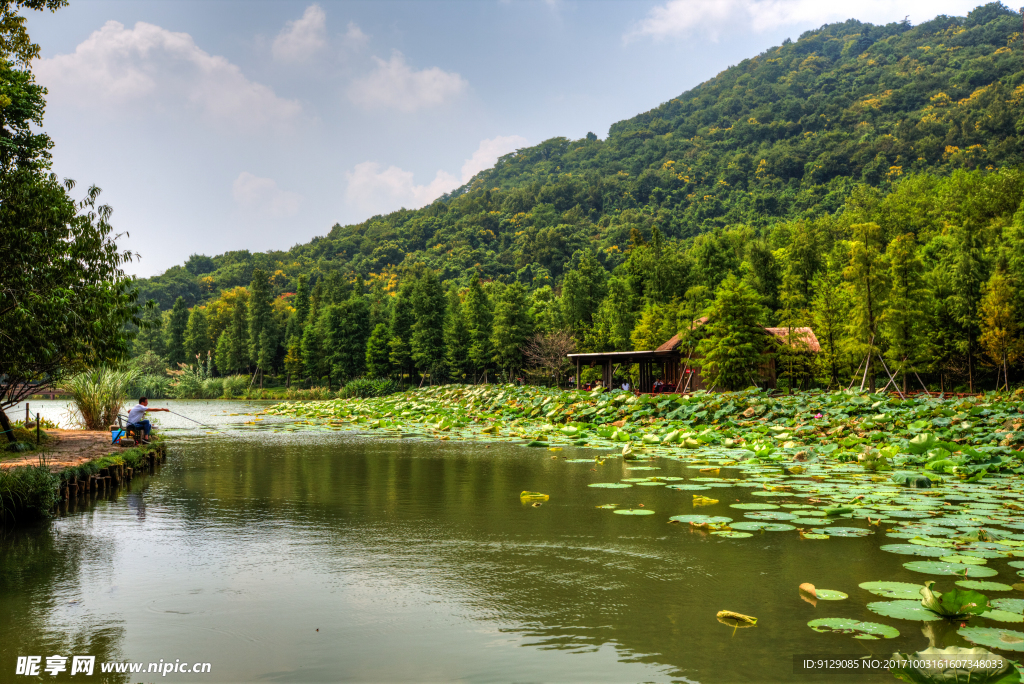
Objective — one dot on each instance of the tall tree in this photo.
(583, 288)
(867, 275)
(792, 352)
(378, 361)
(314, 356)
(1000, 333)
(829, 307)
(734, 341)
(428, 329)
(346, 327)
(403, 316)
(262, 338)
(902, 322)
(512, 327)
(968, 280)
(456, 338)
(479, 321)
(176, 326)
(197, 338)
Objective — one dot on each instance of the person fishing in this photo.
(137, 417)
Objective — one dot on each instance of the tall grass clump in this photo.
(235, 386)
(367, 388)
(152, 386)
(32, 490)
(189, 379)
(213, 388)
(98, 395)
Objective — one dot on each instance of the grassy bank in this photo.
(31, 492)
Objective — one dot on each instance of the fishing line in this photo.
(210, 427)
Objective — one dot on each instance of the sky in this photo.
(218, 125)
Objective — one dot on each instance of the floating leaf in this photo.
(843, 531)
(1012, 605)
(608, 506)
(859, 630)
(762, 526)
(770, 515)
(903, 610)
(702, 519)
(754, 506)
(699, 501)
(731, 534)
(896, 590)
(831, 595)
(914, 550)
(981, 585)
(634, 511)
(610, 485)
(994, 637)
(1002, 616)
(533, 496)
(941, 568)
(963, 560)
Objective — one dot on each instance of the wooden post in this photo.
(26, 412)
(37, 429)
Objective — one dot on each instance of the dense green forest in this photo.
(863, 180)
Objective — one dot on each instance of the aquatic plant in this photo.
(98, 395)
(365, 388)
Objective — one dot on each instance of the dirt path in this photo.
(68, 448)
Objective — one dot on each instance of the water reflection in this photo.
(333, 557)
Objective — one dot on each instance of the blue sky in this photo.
(221, 125)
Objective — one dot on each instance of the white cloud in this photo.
(396, 85)
(262, 196)
(488, 152)
(301, 39)
(377, 191)
(148, 67)
(354, 38)
(684, 17)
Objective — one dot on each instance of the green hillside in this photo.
(867, 181)
(783, 135)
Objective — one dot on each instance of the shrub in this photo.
(99, 394)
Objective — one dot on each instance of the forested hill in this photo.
(788, 134)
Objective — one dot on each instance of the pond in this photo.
(336, 556)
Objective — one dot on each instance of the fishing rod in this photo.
(210, 427)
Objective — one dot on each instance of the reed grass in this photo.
(98, 395)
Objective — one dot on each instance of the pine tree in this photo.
(512, 327)
(867, 275)
(428, 328)
(1000, 334)
(176, 333)
(402, 318)
(346, 329)
(829, 306)
(734, 341)
(583, 288)
(378, 361)
(197, 342)
(456, 338)
(902, 322)
(792, 353)
(479, 321)
(260, 321)
(312, 345)
(967, 280)
(301, 302)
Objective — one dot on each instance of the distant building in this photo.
(682, 373)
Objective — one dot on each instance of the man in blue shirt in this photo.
(137, 416)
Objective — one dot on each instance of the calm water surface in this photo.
(416, 561)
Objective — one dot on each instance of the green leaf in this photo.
(858, 630)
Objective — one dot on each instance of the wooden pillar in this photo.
(606, 375)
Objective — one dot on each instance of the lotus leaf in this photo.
(914, 550)
(941, 568)
(1002, 616)
(762, 526)
(896, 590)
(982, 585)
(754, 506)
(963, 559)
(859, 630)
(994, 637)
(610, 485)
(702, 519)
(634, 511)
(956, 604)
(903, 610)
(1012, 605)
(843, 531)
(731, 534)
